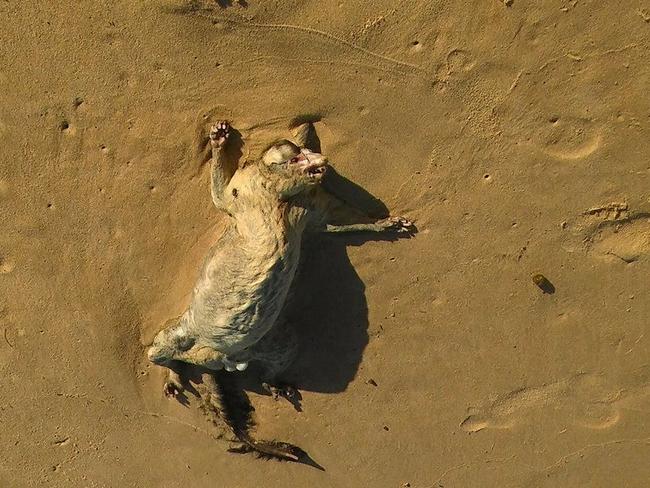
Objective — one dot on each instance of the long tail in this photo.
(225, 399)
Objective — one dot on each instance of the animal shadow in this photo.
(328, 309)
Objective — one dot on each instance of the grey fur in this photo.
(235, 313)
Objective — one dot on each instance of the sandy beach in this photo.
(515, 134)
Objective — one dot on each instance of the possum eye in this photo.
(294, 159)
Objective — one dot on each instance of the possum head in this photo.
(291, 169)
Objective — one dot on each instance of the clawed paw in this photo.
(172, 389)
(219, 133)
(276, 392)
(397, 224)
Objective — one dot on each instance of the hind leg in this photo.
(274, 362)
(274, 353)
(184, 362)
(281, 390)
(178, 379)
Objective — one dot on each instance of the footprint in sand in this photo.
(4, 190)
(458, 61)
(611, 231)
(569, 138)
(627, 239)
(6, 264)
(584, 399)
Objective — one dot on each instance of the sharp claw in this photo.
(171, 390)
(287, 392)
(220, 132)
(401, 224)
(398, 224)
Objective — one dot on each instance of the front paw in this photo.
(397, 224)
(219, 133)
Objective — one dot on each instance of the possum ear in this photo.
(304, 132)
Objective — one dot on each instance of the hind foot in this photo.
(287, 392)
(173, 387)
(284, 391)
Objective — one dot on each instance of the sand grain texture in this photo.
(515, 134)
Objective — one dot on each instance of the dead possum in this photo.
(235, 313)
(247, 274)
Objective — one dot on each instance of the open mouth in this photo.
(314, 170)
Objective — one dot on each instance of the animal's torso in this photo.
(245, 278)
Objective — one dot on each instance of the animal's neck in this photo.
(264, 227)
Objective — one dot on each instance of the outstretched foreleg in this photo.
(221, 172)
(390, 224)
(335, 215)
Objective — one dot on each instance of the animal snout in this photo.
(314, 164)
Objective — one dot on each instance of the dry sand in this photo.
(517, 137)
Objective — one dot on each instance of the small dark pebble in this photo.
(371, 382)
(543, 283)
